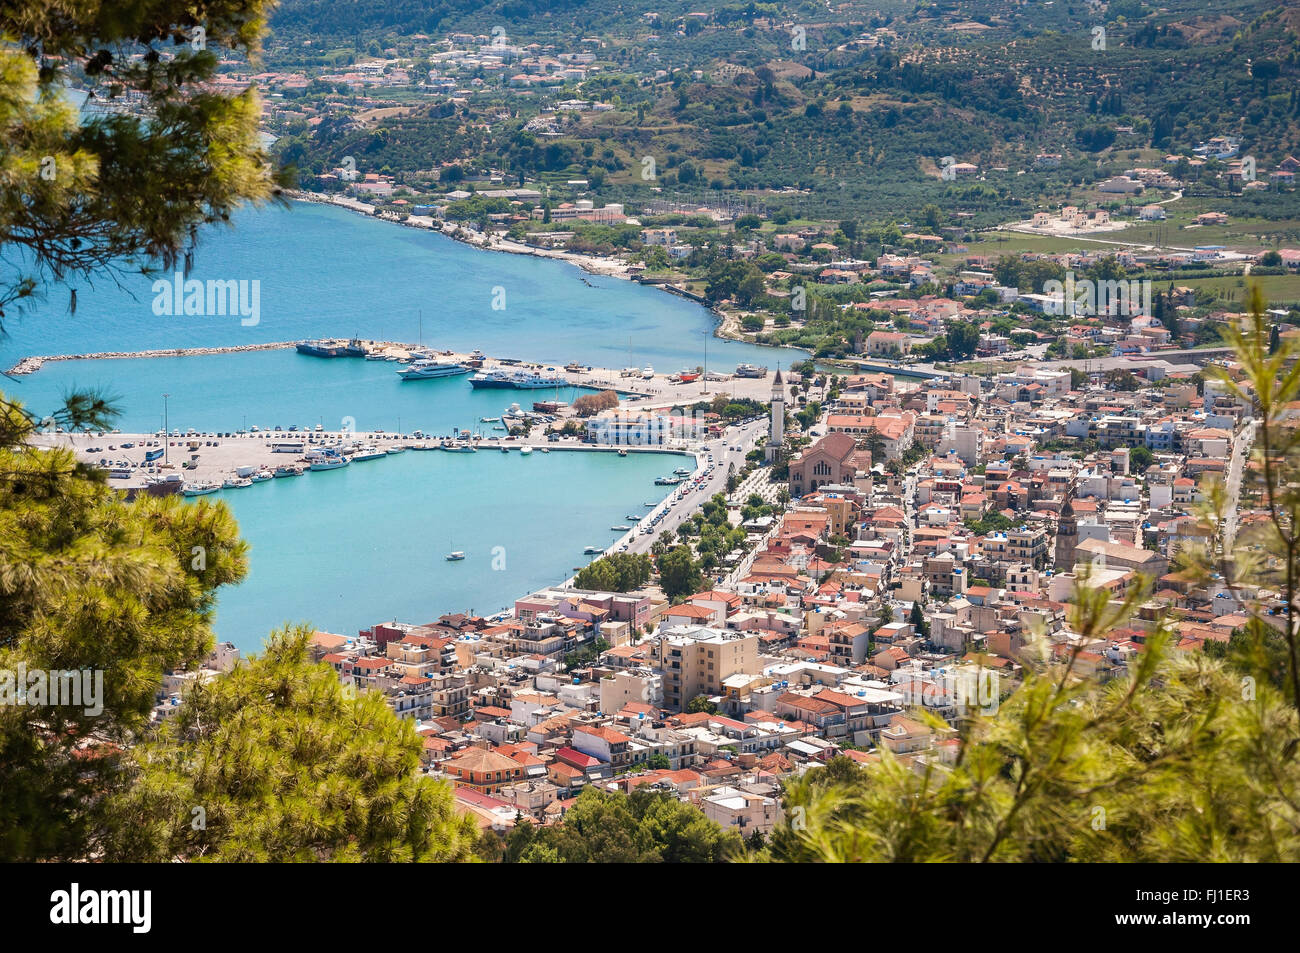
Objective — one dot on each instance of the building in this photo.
(696, 660)
(776, 424)
(834, 459)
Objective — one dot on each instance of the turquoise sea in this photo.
(349, 547)
(364, 544)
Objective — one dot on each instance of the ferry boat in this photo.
(750, 370)
(516, 380)
(455, 557)
(288, 470)
(332, 348)
(425, 370)
(199, 489)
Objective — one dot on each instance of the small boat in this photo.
(546, 449)
(458, 448)
(525, 451)
(327, 460)
(498, 427)
(668, 481)
(262, 475)
(590, 550)
(368, 453)
(505, 449)
(682, 471)
(620, 529)
(229, 484)
(631, 516)
(199, 489)
(490, 420)
(649, 504)
(395, 450)
(455, 557)
(622, 453)
(288, 470)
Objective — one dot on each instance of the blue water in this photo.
(346, 548)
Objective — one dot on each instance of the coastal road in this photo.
(677, 510)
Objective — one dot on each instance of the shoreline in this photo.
(726, 324)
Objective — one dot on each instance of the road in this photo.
(677, 510)
(1240, 453)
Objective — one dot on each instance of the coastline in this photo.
(727, 324)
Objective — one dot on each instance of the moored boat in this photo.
(455, 557)
(199, 489)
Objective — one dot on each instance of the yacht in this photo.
(682, 471)
(426, 369)
(369, 453)
(620, 529)
(591, 550)
(199, 489)
(647, 372)
(455, 557)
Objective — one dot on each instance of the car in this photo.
(128, 446)
(112, 446)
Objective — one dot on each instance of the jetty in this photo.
(30, 365)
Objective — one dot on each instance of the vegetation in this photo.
(617, 572)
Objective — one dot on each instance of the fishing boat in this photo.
(262, 475)
(199, 489)
(369, 453)
(688, 377)
(426, 370)
(455, 557)
(326, 460)
(459, 448)
(288, 470)
(230, 483)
